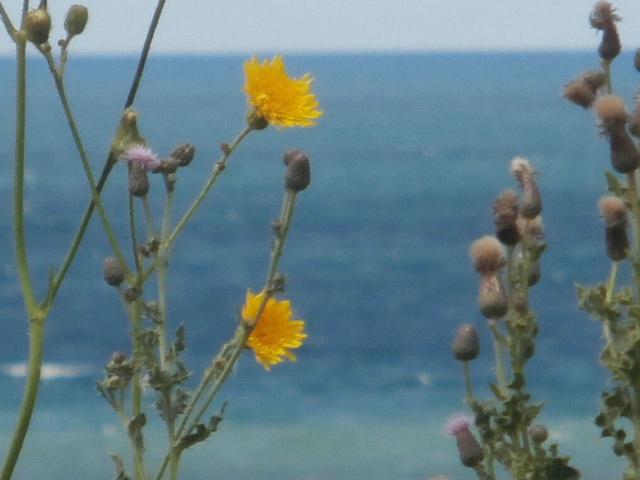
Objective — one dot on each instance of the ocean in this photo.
(410, 153)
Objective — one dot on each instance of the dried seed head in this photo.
(76, 20)
(505, 214)
(492, 299)
(488, 255)
(38, 26)
(613, 210)
(466, 345)
(611, 111)
(538, 433)
(114, 272)
(579, 92)
(298, 176)
(603, 16)
(531, 201)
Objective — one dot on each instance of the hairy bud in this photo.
(466, 345)
(38, 26)
(114, 272)
(298, 176)
(76, 20)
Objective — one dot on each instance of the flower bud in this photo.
(469, 449)
(183, 154)
(138, 181)
(256, 121)
(76, 20)
(614, 212)
(38, 26)
(114, 272)
(298, 176)
(505, 215)
(487, 255)
(466, 345)
(538, 433)
(492, 298)
(530, 201)
(625, 157)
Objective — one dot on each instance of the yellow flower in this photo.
(280, 100)
(275, 332)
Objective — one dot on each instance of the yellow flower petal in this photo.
(281, 100)
(275, 333)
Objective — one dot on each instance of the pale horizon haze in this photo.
(327, 26)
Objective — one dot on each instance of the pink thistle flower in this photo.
(458, 424)
(142, 156)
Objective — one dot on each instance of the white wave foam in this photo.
(49, 371)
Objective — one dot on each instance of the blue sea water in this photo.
(406, 161)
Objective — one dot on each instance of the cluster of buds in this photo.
(38, 24)
(143, 160)
(614, 212)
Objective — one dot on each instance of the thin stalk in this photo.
(217, 170)
(635, 209)
(95, 191)
(144, 54)
(151, 231)
(161, 263)
(36, 355)
(467, 380)
(611, 284)
(499, 356)
(7, 22)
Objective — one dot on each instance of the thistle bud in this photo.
(38, 26)
(492, 298)
(183, 154)
(138, 181)
(298, 176)
(505, 215)
(466, 345)
(76, 20)
(487, 255)
(603, 16)
(114, 272)
(468, 447)
(595, 79)
(625, 157)
(615, 215)
(610, 46)
(530, 201)
(538, 433)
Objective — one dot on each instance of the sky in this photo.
(321, 26)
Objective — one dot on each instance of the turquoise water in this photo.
(406, 161)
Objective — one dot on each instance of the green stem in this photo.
(217, 170)
(635, 209)
(145, 53)
(611, 284)
(467, 380)
(606, 67)
(499, 355)
(36, 353)
(231, 352)
(96, 202)
(7, 22)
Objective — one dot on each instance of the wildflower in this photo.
(143, 157)
(275, 333)
(276, 98)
